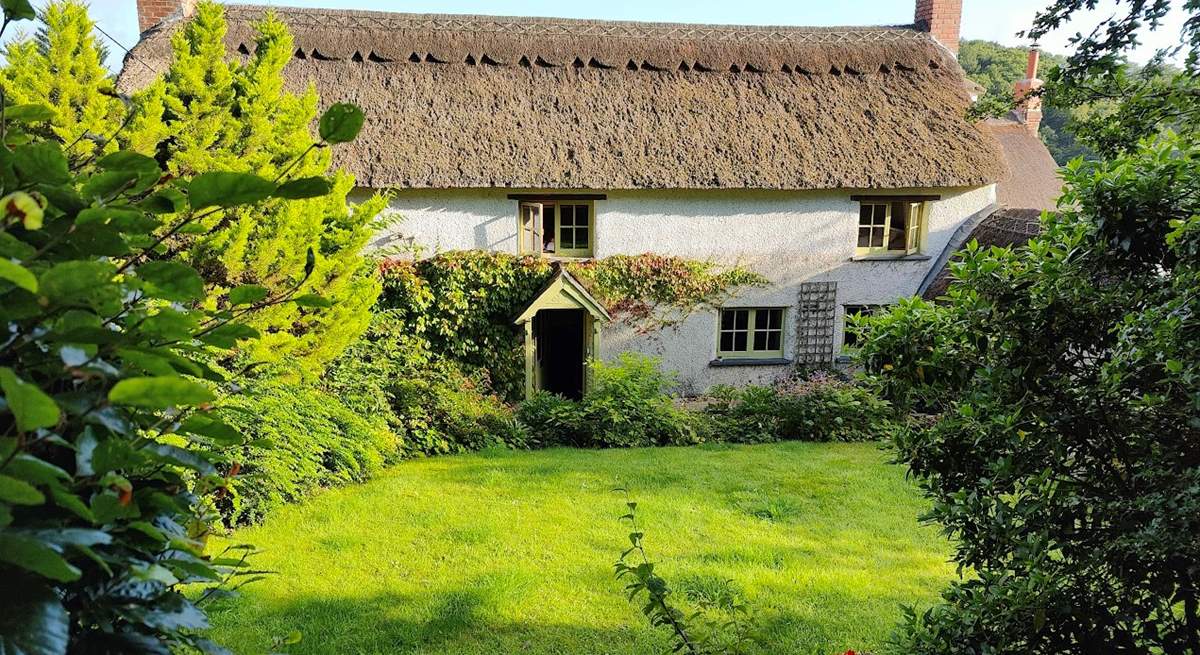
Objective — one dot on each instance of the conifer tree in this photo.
(222, 114)
(212, 112)
(62, 67)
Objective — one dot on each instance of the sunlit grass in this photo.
(512, 552)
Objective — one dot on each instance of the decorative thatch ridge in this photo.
(539, 103)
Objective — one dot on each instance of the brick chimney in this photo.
(153, 12)
(1029, 108)
(942, 19)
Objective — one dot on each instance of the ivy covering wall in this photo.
(461, 304)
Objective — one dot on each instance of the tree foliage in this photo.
(111, 450)
(1064, 452)
(211, 112)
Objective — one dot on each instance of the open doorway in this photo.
(561, 335)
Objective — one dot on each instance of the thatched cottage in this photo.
(837, 162)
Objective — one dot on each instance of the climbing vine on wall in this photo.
(462, 303)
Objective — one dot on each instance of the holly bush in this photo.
(112, 454)
(1063, 452)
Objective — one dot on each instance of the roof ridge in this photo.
(554, 26)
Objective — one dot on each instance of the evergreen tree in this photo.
(207, 113)
(62, 67)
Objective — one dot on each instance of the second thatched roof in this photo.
(473, 101)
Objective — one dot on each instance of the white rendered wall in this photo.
(789, 237)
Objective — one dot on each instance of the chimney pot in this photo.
(153, 12)
(941, 19)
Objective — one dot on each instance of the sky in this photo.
(994, 20)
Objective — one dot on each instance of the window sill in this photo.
(891, 258)
(776, 361)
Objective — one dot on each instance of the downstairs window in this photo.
(750, 333)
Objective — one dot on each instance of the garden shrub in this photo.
(312, 440)
(627, 404)
(553, 420)
(1063, 452)
(815, 406)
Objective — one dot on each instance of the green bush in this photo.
(552, 420)
(815, 407)
(627, 404)
(429, 401)
(312, 440)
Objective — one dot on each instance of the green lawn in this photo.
(512, 552)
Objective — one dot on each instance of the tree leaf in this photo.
(229, 334)
(18, 10)
(33, 622)
(181, 457)
(75, 280)
(34, 470)
(29, 113)
(305, 187)
(107, 184)
(247, 294)
(33, 555)
(341, 123)
(159, 392)
(42, 162)
(30, 405)
(312, 300)
(18, 275)
(171, 281)
(19, 492)
(225, 189)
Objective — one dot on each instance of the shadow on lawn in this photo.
(389, 624)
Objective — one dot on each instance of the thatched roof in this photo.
(1032, 181)
(1006, 227)
(473, 101)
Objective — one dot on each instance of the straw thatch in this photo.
(464, 101)
(1032, 181)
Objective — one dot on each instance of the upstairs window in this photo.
(750, 333)
(556, 229)
(890, 227)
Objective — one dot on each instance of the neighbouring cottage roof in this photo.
(1032, 180)
(476, 101)
(1005, 227)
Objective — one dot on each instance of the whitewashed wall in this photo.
(789, 237)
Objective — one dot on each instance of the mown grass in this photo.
(512, 552)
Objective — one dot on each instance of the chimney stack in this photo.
(1029, 108)
(942, 19)
(153, 12)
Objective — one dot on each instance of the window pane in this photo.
(776, 321)
(898, 230)
(864, 237)
(760, 341)
(581, 238)
(742, 320)
(568, 215)
(581, 214)
(726, 341)
(739, 341)
(864, 215)
(773, 340)
(877, 237)
(727, 319)
(548, 223)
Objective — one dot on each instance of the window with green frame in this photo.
(557, 228)
(889, 227)
(750, 333)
